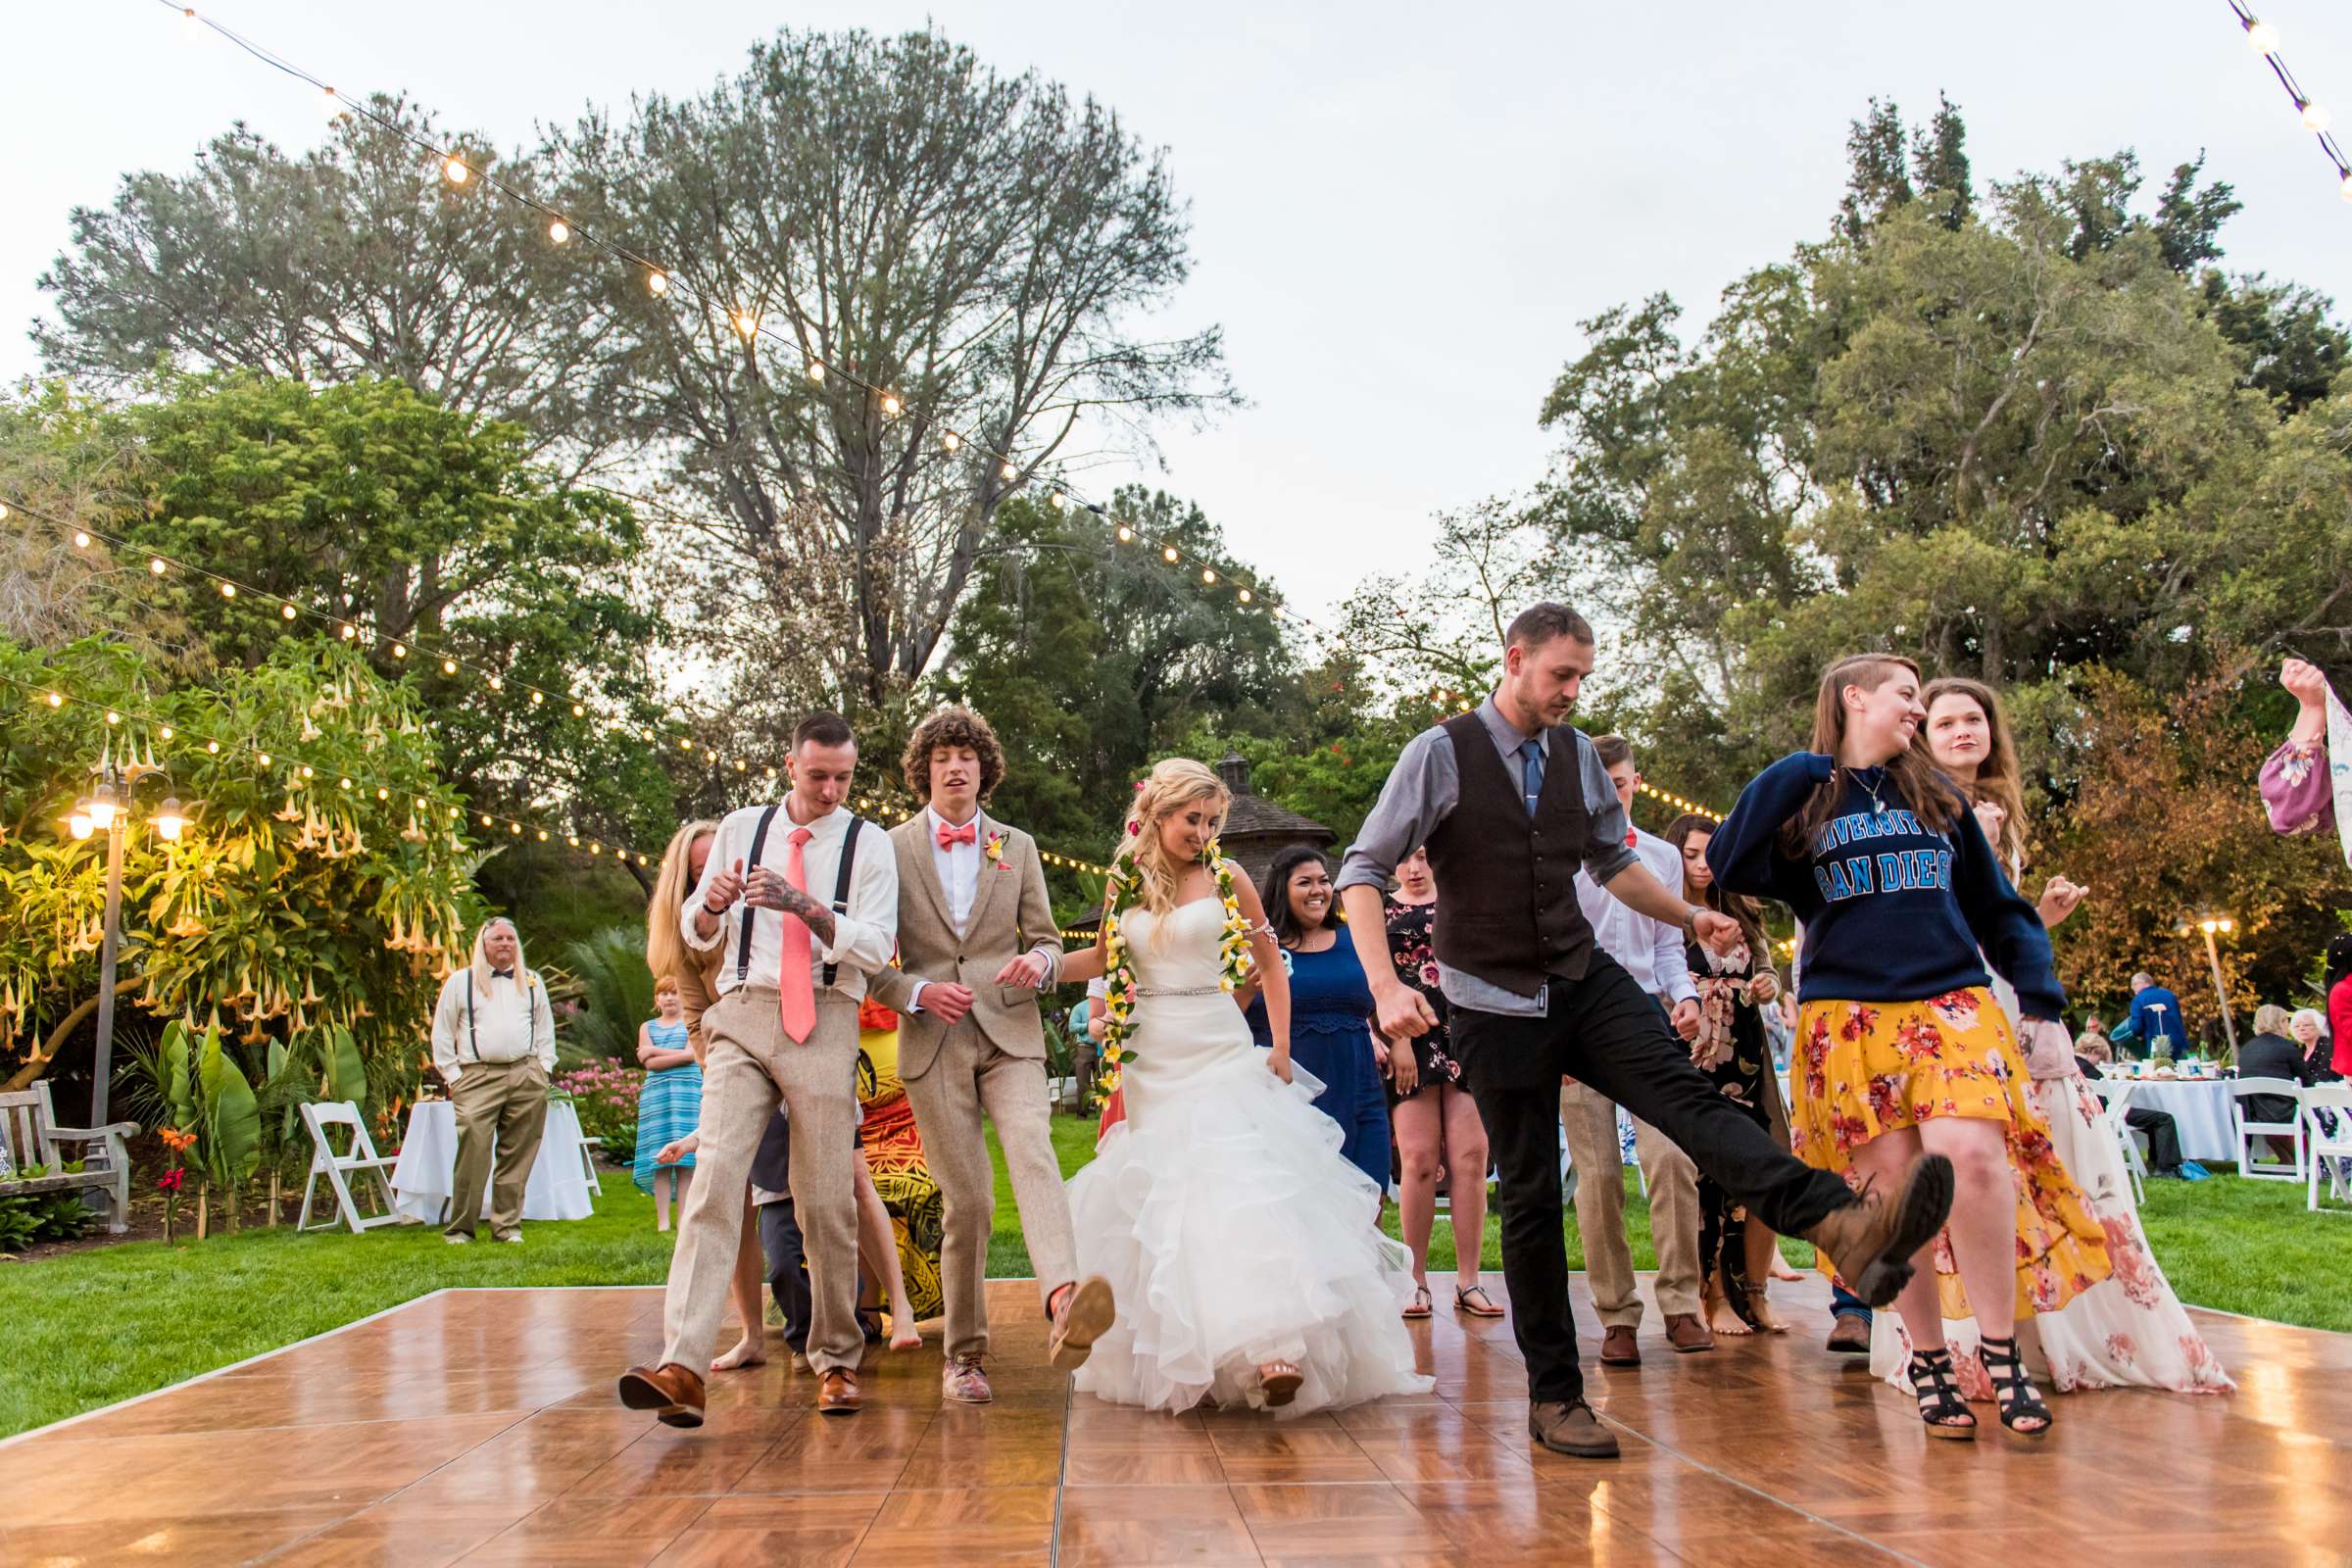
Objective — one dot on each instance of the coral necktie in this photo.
(794, 982)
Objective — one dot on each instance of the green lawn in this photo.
(85, 1329)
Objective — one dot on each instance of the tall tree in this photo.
(355, 259)
(1092, 659)
(978, 244)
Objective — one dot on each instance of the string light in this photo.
(890, 404)
(154, 564)
(456, 169)
(657, 281)
(951, 440)
(228, 590)
(287, 610)
(557, 230)
(2262, 38)
(816, 371)
(81, 541)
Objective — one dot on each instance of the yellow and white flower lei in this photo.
(1235, 962)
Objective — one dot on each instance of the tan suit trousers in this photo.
(748, 1062)
(501, 1103)
(1590, 1121)
(968, 1076)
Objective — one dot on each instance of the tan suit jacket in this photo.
(1009, 915)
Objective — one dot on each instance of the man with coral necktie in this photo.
(808, 906)
(977, 938)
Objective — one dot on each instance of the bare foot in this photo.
(1766, 1319)
(748, 1351)
(1723, 1320)
(904, 1335)
(1781, 1269)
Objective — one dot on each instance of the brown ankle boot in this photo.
(1873, 1239)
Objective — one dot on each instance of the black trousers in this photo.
(787, 1270)
(2164, 1135)
(1604, 1031)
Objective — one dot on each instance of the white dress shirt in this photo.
(864, 938)
(510, 1021)
(957, 865)
(1650, 951)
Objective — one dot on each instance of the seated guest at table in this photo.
(2163, 1133)
(2155, 1019)
(2273, 1053)
(493, 1045)
(2310, 1032)
(2093, 1045)
(670, 1105)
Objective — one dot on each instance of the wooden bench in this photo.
(29, 1127)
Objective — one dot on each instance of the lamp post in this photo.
(2209, 924)
(107, 808)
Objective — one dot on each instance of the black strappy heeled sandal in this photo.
(1940, 1406)
(2020, 1401)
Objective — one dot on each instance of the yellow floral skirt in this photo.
(1862, 1068)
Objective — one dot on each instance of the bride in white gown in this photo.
(1235, 1239)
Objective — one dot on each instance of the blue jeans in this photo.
(1352, 1095)
(1845, 1303)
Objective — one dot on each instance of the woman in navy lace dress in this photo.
(1331, 1008)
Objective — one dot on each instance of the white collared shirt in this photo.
(1650, 951)
(864, 938)
(503, 1021)
(957, 865)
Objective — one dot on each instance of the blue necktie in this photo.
(1531, 772)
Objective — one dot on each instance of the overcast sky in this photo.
(1401, 212)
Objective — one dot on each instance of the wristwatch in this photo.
(1690, 921)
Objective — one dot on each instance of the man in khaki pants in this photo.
(805, 898)
(493, 1045)
(976, 939)
(1652, 952)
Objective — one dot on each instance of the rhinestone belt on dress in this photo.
(1179, 991)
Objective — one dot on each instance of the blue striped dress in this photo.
(670, 1104)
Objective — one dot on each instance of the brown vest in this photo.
(1506, 881)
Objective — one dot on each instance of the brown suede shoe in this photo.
(1686, 1334)
(1873, 1239)
(1086, 1316)
(837, 1393)
(1617, 1347)
(673, 1391)
(1571, 1429)
(1849, 1335)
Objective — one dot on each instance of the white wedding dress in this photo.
(1221, 1212)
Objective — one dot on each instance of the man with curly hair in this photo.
(977, 942)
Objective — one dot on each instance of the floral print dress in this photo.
(1417, 966)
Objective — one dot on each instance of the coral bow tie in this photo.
(949, 837)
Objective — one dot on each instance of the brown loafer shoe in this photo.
(1571, 1429)
(1617, 1347)
(1086, 1316)
(1686, 1334)
(837, 1393)
(673, 1391)
(1873, 1239)
(1848, 1336)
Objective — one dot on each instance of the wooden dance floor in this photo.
(479, 1426)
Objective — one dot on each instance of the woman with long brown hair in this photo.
(1736, 1248)
(2129, 1328)
(1902, 1048)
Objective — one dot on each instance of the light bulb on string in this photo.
(155, 565)
(498, 683)
(891, 406)
(558, 230)
(288, 611)
(166, 733)
(1208, 576)
(657, 282)
(344, 783)
(112, 718)
(305, 770)
(2316, 117)
(1167, 554)
(817, 373)
(1126, 534)
(1244, 595)
(1007, 471)
(81, 541)
(449, 666)
(400, 650)
(454, 171)
(228, 590)
(1060, 501)
(212, 748)
(747, 322)
(348, 630)
(951, 440)
(265, 758)
(2261, 37)
(537, 698)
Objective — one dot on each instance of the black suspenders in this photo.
(841, 892)
(530, 1012)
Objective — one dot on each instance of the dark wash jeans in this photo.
(1604, 1031)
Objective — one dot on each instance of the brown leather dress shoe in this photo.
(1686, 1334)
(1848, 1336)
(1571, 1429)
(837, 1393)
(1086, 1316)
(673, 1391)
(1873, 1239)
(1617, 1347)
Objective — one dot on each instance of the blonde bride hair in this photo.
(1174, 784)
(664, 944)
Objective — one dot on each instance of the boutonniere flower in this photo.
(994, 848)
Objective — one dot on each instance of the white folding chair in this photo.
(2248, 1131)
(325, 1162)
(588, 1148)
(2331, 1150)
(2115, 1104)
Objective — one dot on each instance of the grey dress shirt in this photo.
(1423, 790)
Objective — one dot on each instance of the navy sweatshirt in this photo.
(1894, 911)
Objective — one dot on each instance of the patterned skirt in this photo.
(1862, 1068)
(669, 1107)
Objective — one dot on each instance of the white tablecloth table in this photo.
(426, 1172)
(2199, 1108)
